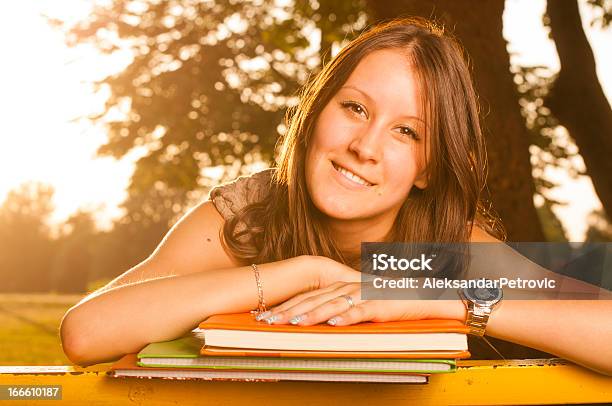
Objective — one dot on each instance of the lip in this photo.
(347, 181)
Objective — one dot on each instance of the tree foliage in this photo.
(603, 9)
(209, 82)
(25, 244)
(73, 257)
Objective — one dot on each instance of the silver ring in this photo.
(349, 300)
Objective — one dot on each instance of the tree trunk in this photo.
(479, 29)
(577, 100)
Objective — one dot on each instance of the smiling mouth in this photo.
(351, 176)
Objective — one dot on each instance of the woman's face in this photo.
(368, 146)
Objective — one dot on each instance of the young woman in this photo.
(385, 145)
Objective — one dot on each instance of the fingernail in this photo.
(297, 319)
(272, 319)
(263, 315)
(333, 321)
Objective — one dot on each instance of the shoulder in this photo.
(480, 235)
(231, 197)
(193, 244)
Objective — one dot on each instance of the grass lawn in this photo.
(29, 328)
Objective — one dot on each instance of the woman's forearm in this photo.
(121, 320)
(577, 330)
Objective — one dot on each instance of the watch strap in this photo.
(477, 318)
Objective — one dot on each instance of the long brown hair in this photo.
(286, 223)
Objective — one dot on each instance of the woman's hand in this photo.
(330, 304)
(327, 271)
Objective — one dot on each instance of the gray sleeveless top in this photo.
(229, 198)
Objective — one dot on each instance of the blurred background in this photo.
(117, 116)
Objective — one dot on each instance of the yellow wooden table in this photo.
(514, 382)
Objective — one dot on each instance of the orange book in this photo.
(244, 334)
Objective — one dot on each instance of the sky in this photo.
(46, 88)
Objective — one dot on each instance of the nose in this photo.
(367, 144)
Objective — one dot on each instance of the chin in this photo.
(338, 208)
(338, 214)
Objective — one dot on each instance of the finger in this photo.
(297, 299)
(303, 296)
(358, 314)
(304, 307)
(328, 309)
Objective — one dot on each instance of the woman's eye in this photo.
(409, 132)
(354, 107)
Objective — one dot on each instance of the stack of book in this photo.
(237, 347)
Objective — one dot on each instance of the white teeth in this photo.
(352, 176)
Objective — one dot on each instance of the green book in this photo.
(185, 353)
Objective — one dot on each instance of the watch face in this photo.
(483, 296)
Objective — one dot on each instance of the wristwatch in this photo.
(479, 303)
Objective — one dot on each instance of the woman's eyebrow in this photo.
(367, 96)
